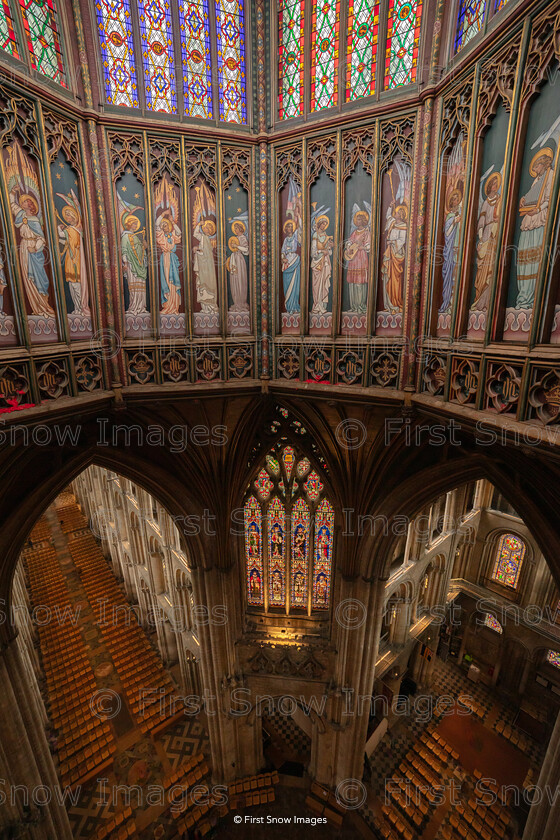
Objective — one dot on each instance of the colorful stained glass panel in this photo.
(41, 29)
(230, 34)
(156, 30)
(299, 567)
(470, 20)
(553, 657)
(276, 554)
(303, 467)
(500, 5)
(492, 623)
(117, 52)
(273, 465)
(290, 58)
(509, 558)
(313, 486)
(253, 552)
(263, 484)
(322, 563)
(288, 457)
(324, 53)
(7, 35)
(197, 65)
(363, 33)
(403, 39)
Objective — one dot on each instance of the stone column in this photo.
(28, 759)
(544, 815)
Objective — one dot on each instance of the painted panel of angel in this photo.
(25, 204)
(395, 210)
(290, 256)
(134, 254)
(540, 158)
(490, 195)
(356, 251)
(238, 256)
(453, 189)
(322, 198)
(168, 241)
(8, 335)
(70, 231)
(203, 217)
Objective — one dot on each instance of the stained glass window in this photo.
(300, 548)
(157, 53)
(469, 23)
(403, 39)
(322, 563)
(500, 5)
(276, 554)
(509, 557)
(491, 622)
(296, 524)
(230, 35)
(553, 657)
(291, 60)
(363, 32)
(253, 552)
(197, 66)
(313, 486)
(117, 51)
(41, 29)
(7, 34)
(324, 53)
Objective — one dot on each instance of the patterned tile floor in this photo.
(450, 681)
(293, 738)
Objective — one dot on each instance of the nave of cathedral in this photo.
(279, 419)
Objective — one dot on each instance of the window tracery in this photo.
(289, 566)
(509, 558)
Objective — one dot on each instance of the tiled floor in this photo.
(449, 681)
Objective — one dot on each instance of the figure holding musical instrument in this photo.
(533, 209)
(356, 254)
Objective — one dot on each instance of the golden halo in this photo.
(27, 197)
(546, 152)
(451, 194)
(402, 207)
(209, 224)
(288, 222)
(238, 222)
(233, 243)
(166, 224)
(322, 218)
(127, 217)
(494, 176)
(71, 212)
(361, 214)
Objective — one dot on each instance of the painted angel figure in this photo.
(290, 253)
(135, 261)
(396, 233)
(356, 254)
(321, 266)
(24, 194)
(487, 230)
(236, 264)
(452, 222)
(168, 236)
(71, 239)
(533, 209)
(204, 233)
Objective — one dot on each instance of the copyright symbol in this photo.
(351, 794)
(105, 704)
(237, 819)
(351, 434)
(105, 344)
(350, 614)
